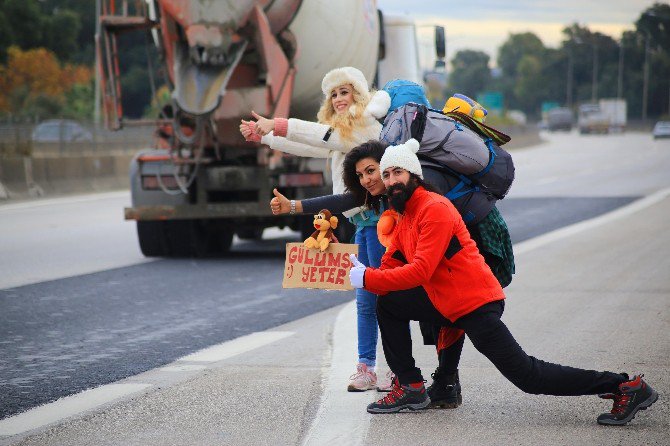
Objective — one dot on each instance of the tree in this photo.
(526, 47)
(529, 88)
(471, 73)
(656, 21)
(34, 82)
(515, 48)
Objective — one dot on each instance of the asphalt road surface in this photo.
(80, 307)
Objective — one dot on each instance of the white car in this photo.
(65, 130)
(661, 130)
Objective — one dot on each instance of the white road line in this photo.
(64, 200)
(236, 346)
(571, 230)
(66, 407)
(183, 368)
(91, 399)
(340, 419)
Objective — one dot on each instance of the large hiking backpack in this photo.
(449, 145)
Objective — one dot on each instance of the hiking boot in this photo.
(401, 397)
(364, 379)
(386, 384)
(632, 396)
(445, 391)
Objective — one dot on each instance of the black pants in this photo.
(491, 337)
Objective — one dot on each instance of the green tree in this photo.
(32, 24)
(515, 48)
(23, 23)
(656, 21)
(529, 88)
(515, 80)
(471, 73)
(61, 31)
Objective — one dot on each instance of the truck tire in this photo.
(306, 226)
(186, 238)
(223, 240)
(250, 233)
(345, 231)
(151, 237)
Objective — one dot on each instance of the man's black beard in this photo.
(399, 200)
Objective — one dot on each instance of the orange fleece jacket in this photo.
(431, 247)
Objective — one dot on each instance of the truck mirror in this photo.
(440, 42)
(382, 36)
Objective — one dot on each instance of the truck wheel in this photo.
(306, 225)
(224, 240)
(151, 236)
(345, 231)
(186, 238)
(250, 233)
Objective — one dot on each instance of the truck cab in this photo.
(592, 119)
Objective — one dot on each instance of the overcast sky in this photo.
(485, 24)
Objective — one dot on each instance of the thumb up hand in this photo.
(279, 204)
(263, 125)
(357, 272)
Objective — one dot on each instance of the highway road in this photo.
(80, 307)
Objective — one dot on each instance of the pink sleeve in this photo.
(281, 127)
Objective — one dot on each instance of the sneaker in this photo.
(401, 397)
(386, 384)
(632, 396)
(445, 391)
(364, 379)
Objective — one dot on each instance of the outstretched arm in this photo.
(248, 129)
(334, 203)
(319, 137)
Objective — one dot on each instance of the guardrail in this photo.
(66, 137)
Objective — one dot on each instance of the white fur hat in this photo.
(345, 75)
(403, 155)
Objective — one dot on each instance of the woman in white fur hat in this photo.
(347, 118)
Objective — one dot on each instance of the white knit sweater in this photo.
(305, 138)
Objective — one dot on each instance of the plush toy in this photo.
(324, 222)
(385, 227)
(462, 104)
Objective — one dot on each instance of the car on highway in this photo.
(661, 130)
(61, 130)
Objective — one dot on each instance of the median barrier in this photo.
(48, 173)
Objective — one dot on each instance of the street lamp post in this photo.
(619, 87)
(568, 89)
(594, 83)
(645, 85)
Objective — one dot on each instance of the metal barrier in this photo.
(60, 137)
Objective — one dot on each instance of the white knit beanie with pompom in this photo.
(404, 156)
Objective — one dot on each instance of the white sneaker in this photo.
(362, 380)
(386, 384)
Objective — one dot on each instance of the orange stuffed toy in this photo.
(385, 227)
(324, 222)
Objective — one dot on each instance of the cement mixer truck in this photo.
(203, 183)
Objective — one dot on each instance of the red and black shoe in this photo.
(401, 397)
(632, 396)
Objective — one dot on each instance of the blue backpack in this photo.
(403, 91)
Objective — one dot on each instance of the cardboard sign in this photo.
(312, 268)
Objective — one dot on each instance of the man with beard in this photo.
(433, 272)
